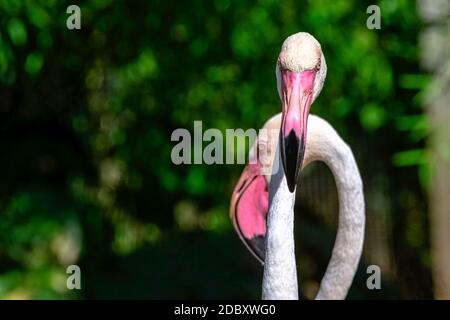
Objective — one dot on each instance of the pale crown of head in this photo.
(300, 51)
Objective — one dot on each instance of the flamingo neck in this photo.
(350, 232)
(280, 272)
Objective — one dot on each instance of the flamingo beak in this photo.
(248, 209)
(297, 94)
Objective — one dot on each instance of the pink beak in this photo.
(297, 93)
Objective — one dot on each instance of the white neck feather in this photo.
(280, 274)
(280, 271)
(326, 145)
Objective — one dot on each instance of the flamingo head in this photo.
(300, 71)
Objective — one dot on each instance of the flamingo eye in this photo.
(318, 65)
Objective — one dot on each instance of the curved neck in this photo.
(280, 272)
(350, 232)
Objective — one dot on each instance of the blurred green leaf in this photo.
(17, 32)
(33, 63)
(372, 116)
(409, 158)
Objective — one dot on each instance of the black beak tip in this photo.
(292, 158)
(292, 183)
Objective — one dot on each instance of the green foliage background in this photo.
(86, 118)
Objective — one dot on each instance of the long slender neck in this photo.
(280, 272)
(350, 233)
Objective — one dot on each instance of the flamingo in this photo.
(262, 205)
